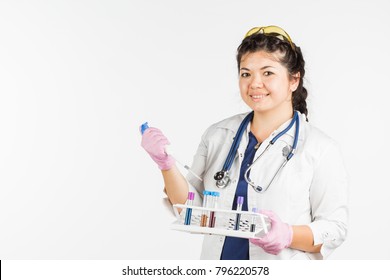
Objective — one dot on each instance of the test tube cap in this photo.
(144, 127)
(206, 192)
(240, 200)
(216, 194)
(191, 196)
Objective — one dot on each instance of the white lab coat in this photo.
(312, 189)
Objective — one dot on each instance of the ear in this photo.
(294, 81)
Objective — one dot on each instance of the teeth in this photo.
(259, 96)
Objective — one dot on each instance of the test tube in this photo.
(211, 205)
(190, 201)
(253, 220)
(204, 217)
(240, 201)
(214, 196)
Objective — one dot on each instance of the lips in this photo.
(258, 96)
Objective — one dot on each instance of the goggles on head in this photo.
(271, 30)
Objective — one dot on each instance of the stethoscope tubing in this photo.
(236, 142)
(233, 149)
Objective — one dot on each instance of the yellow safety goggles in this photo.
(271, 30)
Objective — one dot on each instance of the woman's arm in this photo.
(303, 240)
(176, 186)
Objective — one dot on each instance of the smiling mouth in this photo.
(258, 96)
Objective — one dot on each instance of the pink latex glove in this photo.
(154, 142)
(278, 238)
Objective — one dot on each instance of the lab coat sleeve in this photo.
(329, 200)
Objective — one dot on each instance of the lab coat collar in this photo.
(233, 124)
(290, 132)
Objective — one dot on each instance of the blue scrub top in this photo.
(236, 248)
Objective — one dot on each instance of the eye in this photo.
(245, 75)
(267, 73)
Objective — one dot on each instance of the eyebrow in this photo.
(262, 68)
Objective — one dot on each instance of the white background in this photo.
(77, 78)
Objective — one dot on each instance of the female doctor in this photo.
(297, 178)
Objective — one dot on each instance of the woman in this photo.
(306, 199)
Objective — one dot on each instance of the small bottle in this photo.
(253, 220)
(240, 201)
(204, 217)
(190, 201)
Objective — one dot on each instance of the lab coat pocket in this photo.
(299, 183)
(299, 196)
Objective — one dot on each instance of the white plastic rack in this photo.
(224, 223)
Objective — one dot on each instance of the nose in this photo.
(256, 82)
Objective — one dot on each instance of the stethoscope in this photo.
(222, 177)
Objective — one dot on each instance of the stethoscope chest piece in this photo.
(222, 179)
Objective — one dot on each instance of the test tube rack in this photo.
(225, 222)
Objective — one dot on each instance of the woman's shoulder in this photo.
(318, 141)
(228, 124)
(316, 134)
(231, 122)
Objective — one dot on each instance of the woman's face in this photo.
(265, 84)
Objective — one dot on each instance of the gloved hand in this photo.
(278, 238)
(154, 142)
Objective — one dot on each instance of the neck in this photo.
(264, 123)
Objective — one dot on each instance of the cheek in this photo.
(243, 85)
(278, 87)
